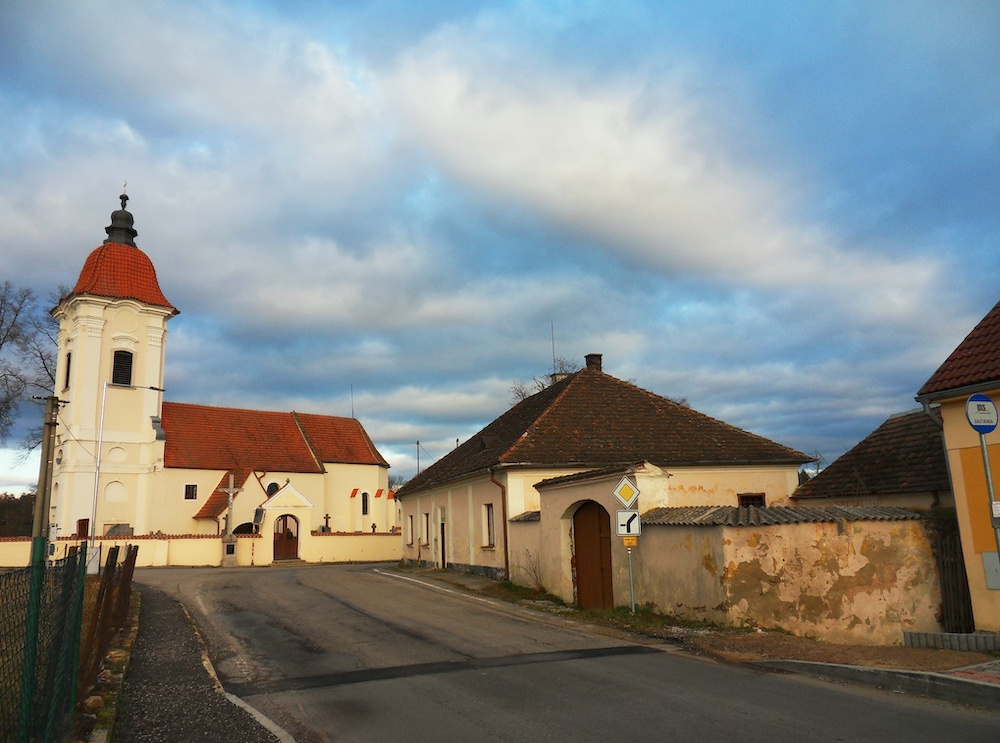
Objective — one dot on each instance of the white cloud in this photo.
(652, 181)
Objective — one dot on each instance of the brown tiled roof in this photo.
(245, 441)
(121, 271)
(591, 419)
(772, 515)
(975, 361)
(903, 455)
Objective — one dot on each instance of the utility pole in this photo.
(43, 494)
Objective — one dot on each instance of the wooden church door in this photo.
(286, 538)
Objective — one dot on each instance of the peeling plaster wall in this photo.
(859, 582)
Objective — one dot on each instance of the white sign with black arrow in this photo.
(629, 524)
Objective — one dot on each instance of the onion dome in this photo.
(118, 269)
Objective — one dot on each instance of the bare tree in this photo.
(521, 390)
(27, 355)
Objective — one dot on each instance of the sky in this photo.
(785, 213)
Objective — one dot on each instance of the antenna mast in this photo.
(552, 327)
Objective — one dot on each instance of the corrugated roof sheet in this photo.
(903, 455)
(975, 361)
(772, 515)
(592, 419)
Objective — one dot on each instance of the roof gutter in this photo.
(503, 511)
(954, 392)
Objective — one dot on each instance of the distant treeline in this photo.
(16, 515)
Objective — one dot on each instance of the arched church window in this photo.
(364, 504)
(121, 368)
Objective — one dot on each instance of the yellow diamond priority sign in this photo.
(626, 492)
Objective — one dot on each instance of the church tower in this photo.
(109, 377)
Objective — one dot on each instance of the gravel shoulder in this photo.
(168, 694)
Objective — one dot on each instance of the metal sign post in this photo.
(631, 583)
(981, 413)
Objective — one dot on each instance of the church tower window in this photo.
(121, 372)
(69, 360)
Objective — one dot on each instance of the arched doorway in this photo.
(592, 542)
(286, 538)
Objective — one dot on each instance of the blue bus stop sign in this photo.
(982, 413)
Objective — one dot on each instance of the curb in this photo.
(923, 683)
(270, 725)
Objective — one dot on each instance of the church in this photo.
(200, 484)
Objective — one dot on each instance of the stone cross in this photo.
(231, 492)
(326, 520)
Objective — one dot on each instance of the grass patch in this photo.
(507, 591)
(646, 620)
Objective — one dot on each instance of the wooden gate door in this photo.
(956, 602)
(286, 538)
(592, 539)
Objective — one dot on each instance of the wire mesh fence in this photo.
(40, 620)
(46, 661)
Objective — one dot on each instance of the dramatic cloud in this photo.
(785, 215)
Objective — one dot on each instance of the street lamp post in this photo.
(93, 560)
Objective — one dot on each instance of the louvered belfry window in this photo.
(121, 372)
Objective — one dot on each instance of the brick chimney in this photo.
(593, 361)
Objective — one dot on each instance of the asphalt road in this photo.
(362, 653)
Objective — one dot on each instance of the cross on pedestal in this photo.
(231, 492)
(326, 520)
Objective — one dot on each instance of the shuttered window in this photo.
(121, 371)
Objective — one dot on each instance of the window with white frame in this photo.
(409, 529)
(427, 528)
(489, 526)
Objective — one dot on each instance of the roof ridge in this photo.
(309, 443)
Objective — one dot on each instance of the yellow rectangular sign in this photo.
(630, 541)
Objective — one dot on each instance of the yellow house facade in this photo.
(973, 369)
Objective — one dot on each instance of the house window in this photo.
(364, 504)
(750, 499)
(427, 528)
(489, 526)
(69, 359)
(409, 530)
(190, 492)
(121, 371)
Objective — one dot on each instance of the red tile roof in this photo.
(976, 360)
(218, 501)
(121, 271)
(246, 441)
(591, 419)
(341, 440)
(902, 456)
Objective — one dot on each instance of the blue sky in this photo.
(786, 213)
